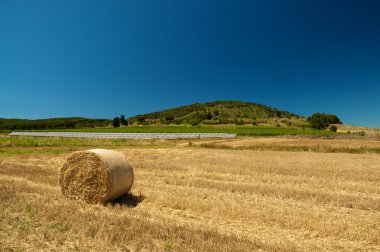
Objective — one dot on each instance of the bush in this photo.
(211, 122)
(194, 122)
(140, 119)
(208, 116)
(169, 118)
(360, 133)
(333, 128)
(239, 121)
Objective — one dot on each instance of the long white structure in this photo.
(126, 135)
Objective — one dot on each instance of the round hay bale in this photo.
(96, 176)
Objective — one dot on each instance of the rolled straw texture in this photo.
(96, 176)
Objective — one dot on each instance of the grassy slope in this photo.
(222, 112)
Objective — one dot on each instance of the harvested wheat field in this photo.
(188, 197)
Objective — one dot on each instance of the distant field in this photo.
(244, 194)
(240, 130)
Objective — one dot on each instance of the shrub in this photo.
(163, 121)
(194, 122)
(239, 121)
(211, 122)
(169, 118)
(360, 133)
(208, 116)
(333, 128)
(140, 119)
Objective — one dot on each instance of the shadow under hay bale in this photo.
(128, 200)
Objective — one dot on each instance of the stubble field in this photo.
(198, 196)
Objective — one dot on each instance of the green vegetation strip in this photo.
(239, 130)
(300, 148)
(55, 145)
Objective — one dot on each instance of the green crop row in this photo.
(239, 130)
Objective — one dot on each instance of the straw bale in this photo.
(96, 176)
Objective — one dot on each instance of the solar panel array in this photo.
(126, 135)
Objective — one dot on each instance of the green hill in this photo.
(221, 112)
(52, 123)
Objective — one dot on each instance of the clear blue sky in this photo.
(105, 58)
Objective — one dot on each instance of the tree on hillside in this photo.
(140, 119)
(122, 120)
(116, 122)
(208, 115)
(169, 118)
(322, 121)
(333, 128)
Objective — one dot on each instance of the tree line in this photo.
(318, 121)
(54, 123)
